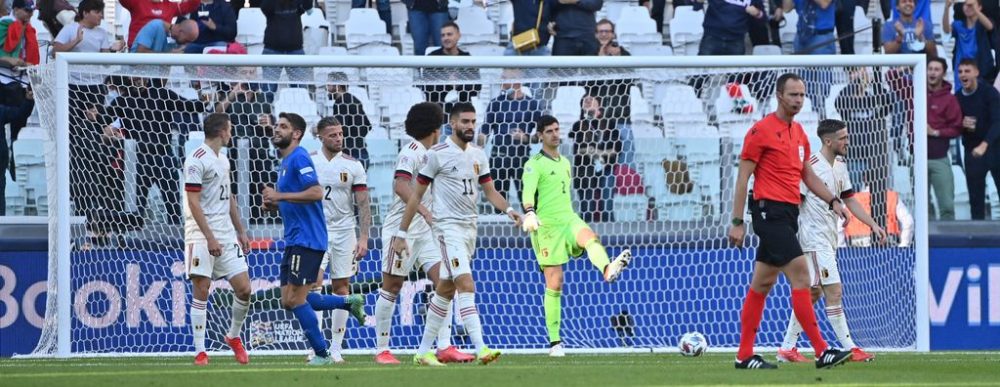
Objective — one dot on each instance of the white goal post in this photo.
(62, 323)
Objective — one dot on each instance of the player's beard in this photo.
(281, 142)
(467, 135)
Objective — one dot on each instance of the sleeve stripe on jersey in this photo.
(403, 174)
(424, 179)
(192, 187)
(359, 187)
(483, 179)
(847, 194)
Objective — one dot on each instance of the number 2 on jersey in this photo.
(328, 190)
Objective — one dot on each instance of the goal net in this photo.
(654, 144)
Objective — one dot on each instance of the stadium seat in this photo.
(483, 48)
(15, 197)
(250, 29)
(639, 106)
(724, 108)
(364, 27)
(767, 49)
(375, 50)
(635, 28)
(680, 107)
(502, 13)
(400, 16)
(315, 31)
(831, 101)
(298, 101)
(686, 30)
(650, 50)
(630, 208)
(476, 27)
(863, 39)
(788, 30)
(395, 102)
(566, 106)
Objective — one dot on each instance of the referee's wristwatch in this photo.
(737, 222)
(834, 200)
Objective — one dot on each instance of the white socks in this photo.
(339, 326)
(240, 309)
(792, 333)
(385, 306)
(444, 334)
(437, 309)
(835, 313)
(199, 318)
(470, 318)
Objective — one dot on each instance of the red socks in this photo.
(753, 309)
(802, 306)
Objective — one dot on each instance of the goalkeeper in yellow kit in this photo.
(556, 230)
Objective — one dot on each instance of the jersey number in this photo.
(328, 190)
(223, 196)
(564, 187)
(468, 187)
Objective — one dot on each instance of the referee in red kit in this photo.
(775, 151)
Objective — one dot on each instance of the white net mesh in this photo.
(653, 152)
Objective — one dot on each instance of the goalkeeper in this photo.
(556, 231)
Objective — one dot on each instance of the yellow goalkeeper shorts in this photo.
(555, 242)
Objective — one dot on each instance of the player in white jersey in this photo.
(818, 227)
(345, 184)
(214, 237)
(423, 123)
(458, 170)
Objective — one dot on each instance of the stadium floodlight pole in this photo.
(922, 213)
(64, 290)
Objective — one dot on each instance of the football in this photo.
(692, 344)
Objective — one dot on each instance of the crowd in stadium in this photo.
(961, 106)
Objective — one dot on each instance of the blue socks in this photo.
(310, 326)
(326, 302)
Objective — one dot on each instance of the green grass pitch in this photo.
(901, 369)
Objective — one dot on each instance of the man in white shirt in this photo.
(345, 184)
(215, 241)
(456, 167)
(818, 236)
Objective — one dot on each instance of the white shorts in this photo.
(822, 267)
(457, 243)
(199, 262)
(423, 250)
(339, 255)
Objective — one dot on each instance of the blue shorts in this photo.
(300, 265)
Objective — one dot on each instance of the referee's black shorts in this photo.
(776, 224)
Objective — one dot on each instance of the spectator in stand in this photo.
(349, 111)
(384, 11)
(465, 90)
(908, 34)
(144, 11)
(146, 113)
(726, 25)
(864, 105)
(283, 36)
(656, 8)
(252, 118)
(55, 14)
(217, 24)
(525, 19)
(510, 119)
(19, 50)
(944, 122)
(607, 40)
(981, 132)
(973, 38)
(596, 144)
(815, 28)
(426, 18)
(153, 37)
(16, 114)
(573, 27)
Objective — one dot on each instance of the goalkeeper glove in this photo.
(530, 223)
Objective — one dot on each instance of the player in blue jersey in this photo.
(298, 199)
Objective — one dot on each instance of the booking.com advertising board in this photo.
(964, 303)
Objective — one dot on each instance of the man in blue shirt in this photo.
(815, 29)
(908, 34)
(511, 119)
(298, 199)
(726, 25)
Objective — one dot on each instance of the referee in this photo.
(775, 151)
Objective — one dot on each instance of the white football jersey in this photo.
(456, 175)
(408, 164)
(340, 177)
(207, 174)
(817, 223)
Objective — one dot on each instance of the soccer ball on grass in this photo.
(692, 344)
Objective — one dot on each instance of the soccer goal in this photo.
(654, 143)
